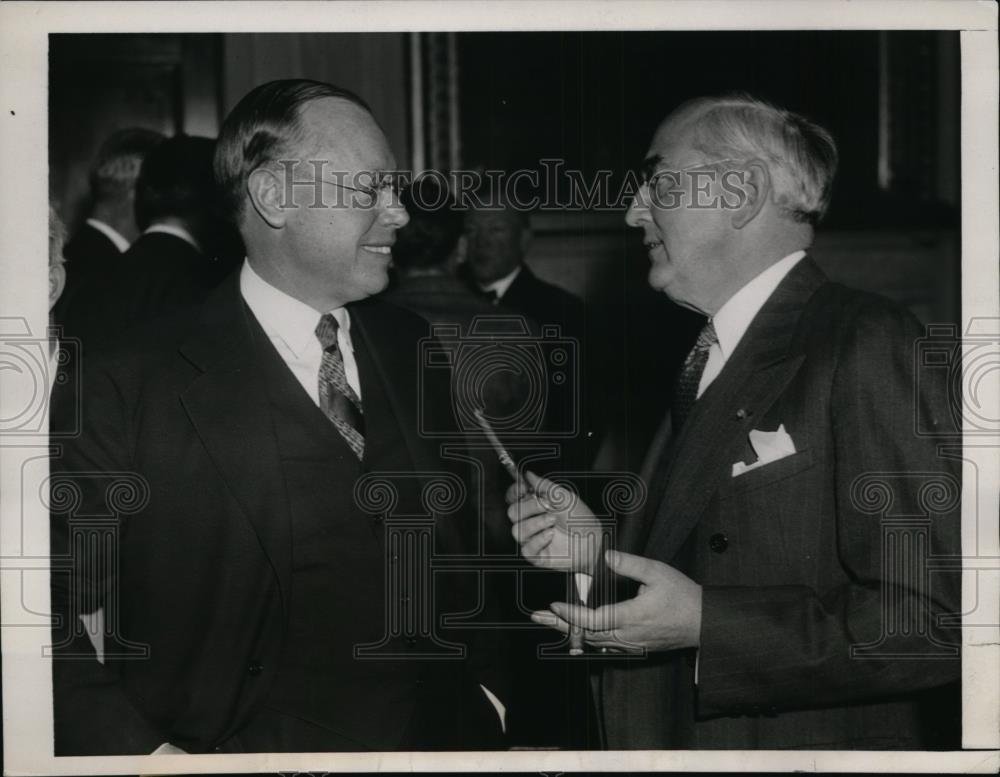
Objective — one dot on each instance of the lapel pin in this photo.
(742, 414)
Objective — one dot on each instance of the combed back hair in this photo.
(176, 182)
(57, 238)
(264, 127)
(801, 155)
(118, 161)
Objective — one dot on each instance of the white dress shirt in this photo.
(734, 318)
(110, 233)
(500, 286)
(177, 231)
(291, 327)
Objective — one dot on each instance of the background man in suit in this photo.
(172, 264)
(770, 611)
(252, 562)
(110, 228)
(498, 238)
(498, 234)
(549, 705)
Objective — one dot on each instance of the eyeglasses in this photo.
(393, 183)
(652, 180)
(666, 189)
(366, 196)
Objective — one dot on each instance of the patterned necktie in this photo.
(686, 387)
(337, 399)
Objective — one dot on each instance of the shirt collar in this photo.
(733, 319)
(500, 286)
(110, 233)
(176, 231)
(282, 316)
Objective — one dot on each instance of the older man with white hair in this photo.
(776, 591)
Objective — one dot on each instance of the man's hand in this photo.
(553, 526)
(665, 615)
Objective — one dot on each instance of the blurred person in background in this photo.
(109, 229)
(172, 263)
(498, 234)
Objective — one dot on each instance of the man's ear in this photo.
(267, 193)
(755, 189)
(57, 282)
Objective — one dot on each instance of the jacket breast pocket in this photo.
(769, 474)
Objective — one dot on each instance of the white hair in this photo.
(801, 155)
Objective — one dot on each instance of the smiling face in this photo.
(330, 256)
(688, 246)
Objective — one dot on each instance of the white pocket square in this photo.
(769, 447)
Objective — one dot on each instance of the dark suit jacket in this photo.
(581, 409)
(545, 303)
(444, 301)
(807, 604)
(91, 262)
(158, 275)
(179, 461)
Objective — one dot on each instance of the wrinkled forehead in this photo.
(343, 135)
(672, 145)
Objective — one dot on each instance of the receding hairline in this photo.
(683, 121)
(350, 114)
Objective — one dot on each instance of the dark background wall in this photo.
(591, 99)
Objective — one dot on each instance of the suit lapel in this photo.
(700, 457)
(636, 525)
(229, 408)
(395, 361)
(395, 366)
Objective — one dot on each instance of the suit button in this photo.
(254, 668)
(718, 542)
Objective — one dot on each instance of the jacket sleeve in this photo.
(92, 488)
(896, 508)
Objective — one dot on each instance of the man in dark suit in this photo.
(92, 253)
(498, 234)
(548, 698)
(775, 592)
(259, 568)
(172, 264)
(498, 237)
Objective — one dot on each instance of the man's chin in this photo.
(378, 283)
(660, 279)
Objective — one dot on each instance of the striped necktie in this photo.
(686, 386)
(337, 399)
